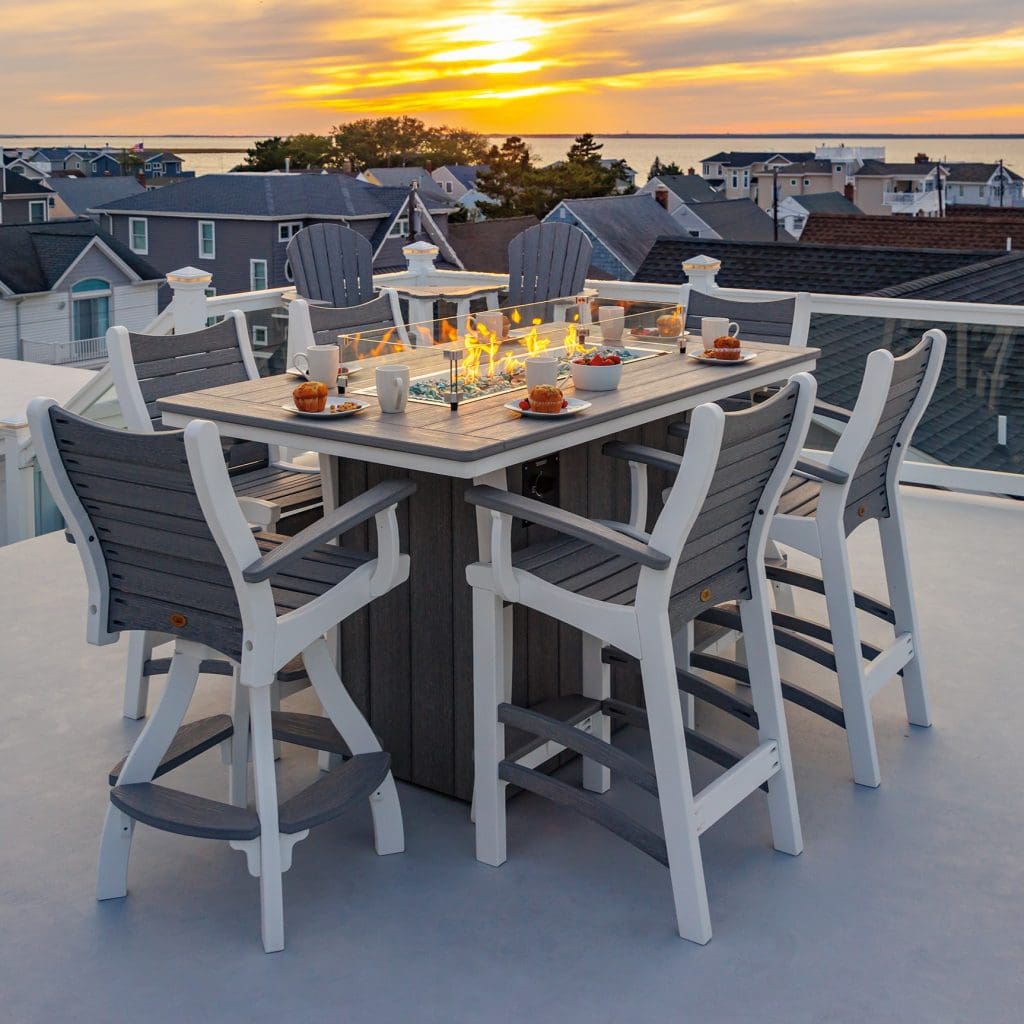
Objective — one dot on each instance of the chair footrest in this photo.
(805, 581)
(590, 805)
(569, 710)
(293, 671)
(191, 740)
(334, 792)
(211, 666)
(314, 731)
(184, 813)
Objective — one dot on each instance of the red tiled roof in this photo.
(979, 234)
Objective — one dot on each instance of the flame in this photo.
(516, 316)
(574, 345)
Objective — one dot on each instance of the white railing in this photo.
(912, 202)
(65, 353)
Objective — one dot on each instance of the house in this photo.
(23, 201)
(913, 189)
(21, 165)
(676, 190)
(980, 184)
(237, 226)
(404, 177)
(736, 220)
(802, 266)
(161, 165)
(455, 180)
(483, 245)
(622, 228)
(800, 178)
(63, 284)
(734, 174)
(74, 197)
(627, 176)
(981, 234)
(793, 211)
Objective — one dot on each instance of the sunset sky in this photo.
(284, 66)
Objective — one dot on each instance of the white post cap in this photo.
(189, 275)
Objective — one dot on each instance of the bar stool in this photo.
(166, 548)
(633, 591)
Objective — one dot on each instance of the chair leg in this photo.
(488, 732)
(275, 705)
(271, 894)
(136, 684)
(675, 790)
(901, 600)
(238, 773)
(766, 693)
(388, 830)
(842, 617)
(783, 593)
(597, 684)
(141, 764)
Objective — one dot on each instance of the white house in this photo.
(794, 210)
(978, 184)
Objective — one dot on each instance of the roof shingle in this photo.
(979, 234)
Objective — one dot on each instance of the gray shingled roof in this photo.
(82, 194)
(253, 194)
(879, 168)
(466, 174)
(807, 167)
(746, 159)
(691, 188)
(826, 202)
(977, 172)
(802, 266)
(737, 220)
(33, 257)
(627, 224)
(403, 177)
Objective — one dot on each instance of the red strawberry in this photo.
(524, 404)
(613, 360)
(565, 404)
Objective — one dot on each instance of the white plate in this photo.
(294, 371)
(326, 414)
(575, 405)
(745, 357)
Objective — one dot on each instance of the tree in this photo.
(585, 150)
(658, 169)
(298, 151)
(405, 141)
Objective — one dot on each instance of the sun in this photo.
(486, 38)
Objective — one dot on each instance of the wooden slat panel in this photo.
(147, 348)
(161, 387)
(185, 364)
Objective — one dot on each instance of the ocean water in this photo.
(639, 152)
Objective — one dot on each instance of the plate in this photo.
(745, 356)
(294, 371)
(575, 405)
(326, 413)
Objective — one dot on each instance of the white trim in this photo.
(131, 235)
(252, 276)
(293, 227)
(46, 211)
(264, 331)
(239, 216)
(98, 243)
(212, 255)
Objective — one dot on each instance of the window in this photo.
(90, 308)
(981, 192)
(735, 181)
(258, 275)
(138, 235)
(207, 240)
(37, 211)
(210, 292)
(288, 230)
(792, 182)
(260, 336)
(694, 234)
(448, 187)
(400, 229)
(838, 168)
(746, 178)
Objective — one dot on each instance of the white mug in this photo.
(493, 321)
(392, 387)
(612, 319)
(320, 362)
(541, 370)
(712, 327)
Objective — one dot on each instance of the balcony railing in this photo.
(65, 353)
(912, 202)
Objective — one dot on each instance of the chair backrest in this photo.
(147, 368)
(770, 321)
(332, 263)
(321, 325)
(719, 509)
(547, 261)
(151, 558)
(893, 397)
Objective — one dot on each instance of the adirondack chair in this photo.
(146, 368)
(166, 547)
(332, 267)
(780, 321)
(547, 261)
(632, 590)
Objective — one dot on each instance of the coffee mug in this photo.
(392, 387)
(541, 370)
(493, 322)
(712, 327)
(320, 362)
(612, 319)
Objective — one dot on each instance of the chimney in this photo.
(287, 165)
(921, 158)
(690, 170)
(661, 195)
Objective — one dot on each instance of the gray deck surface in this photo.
(906, 904)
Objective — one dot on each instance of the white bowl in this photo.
(596, 378)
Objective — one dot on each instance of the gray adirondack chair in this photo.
(166, 548)
(547, 261)
(146, 368)
(633, 591)
(780, 321)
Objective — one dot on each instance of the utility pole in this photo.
(1002, 183)
(938, 185)
(775, 203)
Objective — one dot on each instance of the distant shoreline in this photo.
(561, 135)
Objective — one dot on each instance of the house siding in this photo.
(96, 263)
(603, 258)
(15, 211)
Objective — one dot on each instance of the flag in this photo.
(138, 147)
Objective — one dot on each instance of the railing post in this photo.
(701, 272)
(420, 256)
(188, 306)
(19, 485)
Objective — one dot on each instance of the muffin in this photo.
(729, 354)
(545, 398)
(727, 341)
(310, 396)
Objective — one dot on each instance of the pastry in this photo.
(545, 398)
(727, 341)
(728, 354)
(310, 396)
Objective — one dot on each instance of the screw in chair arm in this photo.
(810, 469)
(569, 524)
(352, 513)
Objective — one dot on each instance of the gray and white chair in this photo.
(633, 591)
(332, 266)
(166, 548)
(147, 368)
(547, 261)
(778, 321)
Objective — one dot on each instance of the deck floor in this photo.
(906, 904)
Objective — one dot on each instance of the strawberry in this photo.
(525, 404)
(565, 404)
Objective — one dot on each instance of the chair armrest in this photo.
(351, 514)
(567, 523)
(810, 469)
(833, 412)
(259, 512)
(647, 456)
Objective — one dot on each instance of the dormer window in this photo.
(400, 228)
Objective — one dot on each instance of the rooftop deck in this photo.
(905, 905)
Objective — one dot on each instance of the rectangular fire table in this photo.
(407, 660)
